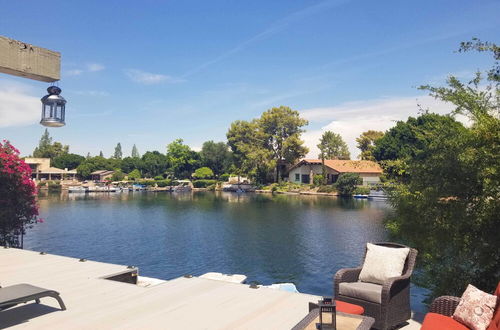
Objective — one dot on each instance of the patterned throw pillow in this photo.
(475, 309)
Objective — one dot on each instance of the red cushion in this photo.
(349, 308)
(434, 321)
(495, 323)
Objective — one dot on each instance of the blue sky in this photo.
(148, 72)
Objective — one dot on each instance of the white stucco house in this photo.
(304, 171)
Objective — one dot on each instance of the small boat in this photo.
(360, 196)
(77, 189)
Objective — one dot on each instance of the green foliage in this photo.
(152, 163)
(216, 156)
(181, 159)
(447, 200)
(362, 191)
(149, 183)
(224, 177)
(347, 183)
(47, 149)
(267, 143)
(135, 152)
(318, 179)
(69, 161)
(366, 143)
(95, 164)
(118, 175)
(203, 183)
(203, 173)
(128, 164)
(134, 175)
(159, 177)
(54, 185)
(118, 151)
(332, 146)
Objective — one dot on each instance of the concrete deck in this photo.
(183, 303)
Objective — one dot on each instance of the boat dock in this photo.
(94, 302)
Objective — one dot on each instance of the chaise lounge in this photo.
(22, 293)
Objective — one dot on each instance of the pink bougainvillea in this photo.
(18, 203)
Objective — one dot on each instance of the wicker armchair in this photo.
(444, 305)
(394, 306)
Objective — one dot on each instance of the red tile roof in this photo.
(347, 166)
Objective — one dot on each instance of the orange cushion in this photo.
(434, 321)
(349, 308)
(495, 322)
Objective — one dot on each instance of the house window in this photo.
(297, 177)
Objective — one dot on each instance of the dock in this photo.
(94, 302)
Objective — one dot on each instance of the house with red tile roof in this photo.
(304, 171)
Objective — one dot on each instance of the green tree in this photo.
(134, 175)
(447, 202)
(118, 151)
(118, 175)
(281, 128)
(69, 161)
(128, 164)
(216, 156)
(153, 163)
(101, 154)
(96, 163)
(250, 155)
(47, 149)
(347, 183)
(181, 159)
(135, 152)
(366, 144)
(332, 146)
(203, 173)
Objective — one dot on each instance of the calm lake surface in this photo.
(270, 239)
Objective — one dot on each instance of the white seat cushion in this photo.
(361, 290)
(382, 263)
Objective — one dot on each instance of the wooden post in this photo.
(25, 60)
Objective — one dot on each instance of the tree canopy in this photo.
(69, 161)
(332, 146)
(118, 151)
(216, 156)
(366, 144)
(446, 199)
(135, 152)
(182, 161)
(48, 149)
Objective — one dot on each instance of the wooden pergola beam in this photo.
(24, 60)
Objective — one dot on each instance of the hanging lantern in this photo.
(53, 108)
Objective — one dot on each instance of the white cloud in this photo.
(74, 72)
(92, 93)
(352, 118)
(17, 106)
(93, 67)
(149, 78)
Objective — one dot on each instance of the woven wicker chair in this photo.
(394, 307)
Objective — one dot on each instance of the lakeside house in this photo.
(41, 170)
(304, 171)
(101, 175)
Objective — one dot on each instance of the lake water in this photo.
(270, 239)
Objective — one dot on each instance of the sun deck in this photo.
(93, 302)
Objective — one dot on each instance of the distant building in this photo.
(304, 171)
(102, 175)
(41, 170)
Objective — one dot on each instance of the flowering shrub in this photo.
(18, 205)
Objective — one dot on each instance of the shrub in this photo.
(118, 175)
(148, 183)
(318, 179)
(54, 185)
(134, 175)
(203, 173)
(42, 183)
(203, 183)
(362, 190)
(347, 183)
(18, 206)
(159, 177)
(224, 177)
